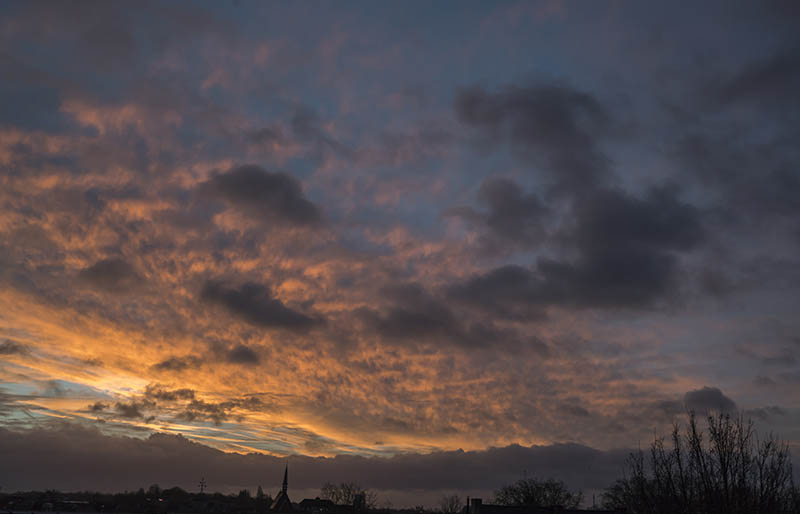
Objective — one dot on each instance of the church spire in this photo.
(285, 478)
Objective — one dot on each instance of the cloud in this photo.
(113, 275)
(570, 409)
(129, 175)
(157, 392)
(9, 347)
(555, 126)
(512, 213)
(130, 410)
(266, 196)
(241, 354)
(179, 363)
(763, 381)
(512, 216)
(748, 164)
(199, 410)
(708, 399)
(98, 407)
(73, 458)
(755, 182)
(508, 291)
(413, 315)
(176, 404)
(267, 136)
(766, 413)
(255, 303)
(217, 412)
(626, 257)
(770, 80)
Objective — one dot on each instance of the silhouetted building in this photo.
(282, 503)
(317, 506)
(321, 506)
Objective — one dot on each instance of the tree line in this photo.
(727, 469)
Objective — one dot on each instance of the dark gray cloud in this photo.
(764, 381)
(774, 80)
(766, 413)
(414, 315)
(769, 356)
(238, 354)
(98, 407)
(512, 213)
(508, 291)
(704, 400)
(113, 275)
(255, 303)
(511, 216)
(181, 404)
(106, 463)
(179, 363)
(659, 220)
(242, 354)
(572, 409)
(627, 247)
(131, 409)
(157, 392)
(199, 410)
(217, 412)
(627, 256)
(555, 126)
(9, 347)
(737, 141)
(757, 181)
(708, 399)
(264, 195)
(267, 136)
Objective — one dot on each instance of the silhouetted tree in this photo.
(450, 504)
(731, 471)
(538, 493)
(345, 493)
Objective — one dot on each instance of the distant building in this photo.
(317, 506)
(323, 506)
(282, 503)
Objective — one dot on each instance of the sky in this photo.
(429, 247)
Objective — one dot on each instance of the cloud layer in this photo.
(347, 234)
